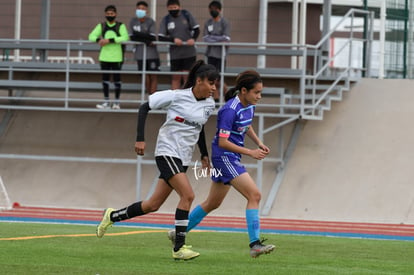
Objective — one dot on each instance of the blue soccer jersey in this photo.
(233, 121)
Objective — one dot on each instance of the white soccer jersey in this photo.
(185, 117)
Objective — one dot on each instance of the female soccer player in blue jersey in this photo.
(233, 123)
(188, 110)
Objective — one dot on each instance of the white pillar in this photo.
(295, 19)
(302, 30)
(153, 9)
(381, 71)
(17, 26)
(410, 42)
(262, 38)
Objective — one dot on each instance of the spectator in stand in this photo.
(109, 35)
(142, 28)
(216, 30)
(180, 28)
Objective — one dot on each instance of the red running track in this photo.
(219, 223)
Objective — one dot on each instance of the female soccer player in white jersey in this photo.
(234, 121)
(188, 109)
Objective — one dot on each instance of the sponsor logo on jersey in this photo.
(243, 129)
(179, 119)
(189, 123)
(207, 112)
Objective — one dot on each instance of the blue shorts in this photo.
(226, 168)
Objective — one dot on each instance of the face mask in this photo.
(214, 14)
(110, 18)
(140, 13)
(174, 13)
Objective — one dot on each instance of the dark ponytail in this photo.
(202, 70)
(247, 79)
(232, 92)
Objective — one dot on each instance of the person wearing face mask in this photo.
(142, 28)
(109, 35)
(216, 30)
(180, 28)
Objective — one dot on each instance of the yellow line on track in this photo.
(79, 235)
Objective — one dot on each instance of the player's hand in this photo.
(103, 42)
(140, 147)
(264, 148)
(258, 154)
(205, 162)
(190, 42)
(178, 41)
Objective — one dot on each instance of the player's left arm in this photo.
(123, 32)
(252, 135)
(205, 161)
(95, 34)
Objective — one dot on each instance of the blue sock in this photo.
(196, 216)
(253, 224)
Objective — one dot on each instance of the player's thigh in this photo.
(246, 186)
(181, 185)
(161, 192)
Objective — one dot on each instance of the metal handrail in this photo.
(68, 46)
(318, 72)
(303, 110)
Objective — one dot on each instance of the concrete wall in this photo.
(92, 185)
(355, 165)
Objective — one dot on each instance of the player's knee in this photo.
(187, 198)
(255, 196)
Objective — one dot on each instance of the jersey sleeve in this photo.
(95, 33)
(152, 28)
(225, 122)
(131, 26)
(193, 22)
(163, 30)
(162, 99)
(205, 29)
(226, 29)
(123, 34)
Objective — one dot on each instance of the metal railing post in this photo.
(144, 71)
(351, 36)
(303, 82)
(259, 175)
(138, 178)
(67, 75)
(223, 62)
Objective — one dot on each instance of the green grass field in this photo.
(77, 251)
